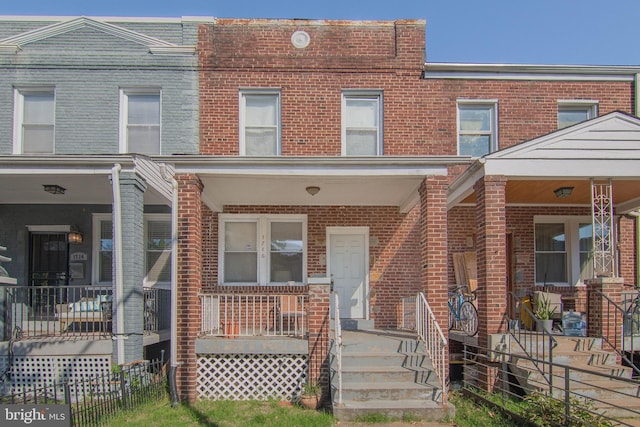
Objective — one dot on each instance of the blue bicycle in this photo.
(463, 314)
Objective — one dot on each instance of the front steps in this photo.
(386, 372)
(586, 354)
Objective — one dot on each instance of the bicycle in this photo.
(462, 312)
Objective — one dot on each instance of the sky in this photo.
(565, 32)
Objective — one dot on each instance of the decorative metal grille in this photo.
(37, 371)
(602, 222)
(250, 376)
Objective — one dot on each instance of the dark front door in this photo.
(49, 271)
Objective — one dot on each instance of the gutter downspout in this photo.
(119, 273)
(174, 293)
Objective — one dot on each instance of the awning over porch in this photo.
(340, 181)
(607, 147)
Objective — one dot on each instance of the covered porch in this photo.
(556, 214)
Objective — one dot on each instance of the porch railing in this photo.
(232, 315)
(436, 344)
(337, 339)
(624, 338)
(537, 345)
(72, 311)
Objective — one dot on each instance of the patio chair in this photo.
(291, 311)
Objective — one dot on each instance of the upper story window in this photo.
(262, 249)
(34, 118)
(362, 123)
(140, 121)
(477, 127)
(563, 250)
(157, 255)
(259, 122)
(573, 112)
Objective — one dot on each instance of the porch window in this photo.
(362, 123)
(573, 112)
(563, 250)
(259, 123)
(262, 249)
(157, 257)
(34, 117)
(140, 121)
(477, 127)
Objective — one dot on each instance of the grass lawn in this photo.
(258, 413)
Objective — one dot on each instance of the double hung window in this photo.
(477, 127)
(361, 123)
(34, 121)
(140, 121)
(259, 122)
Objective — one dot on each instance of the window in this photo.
(140, 121)
(563, 250)
(477, 128)
(361, 123)
(262, 249)
(157, 232)
(34, 121)
(572, 112)
(259, 123)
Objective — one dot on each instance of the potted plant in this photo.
(311, 393)
(543, 313)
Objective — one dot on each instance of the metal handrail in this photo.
(617, 313)
(538, 346)
(338, 342)
(435, 342)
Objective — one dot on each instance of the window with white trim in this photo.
(157, 259)
(573, 112)
(262, 249)
(477, 127)
(259, 122)
(563, 250)
(140, 121)
(362, 123)
(34, 121)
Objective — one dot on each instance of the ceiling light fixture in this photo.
(313, 190)
(54, 189)
(563, 192)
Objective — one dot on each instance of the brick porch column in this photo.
(132, 189)
(433, 248)
(189, 281)
(602, 320)
(627, 237)
(491, 262)
(319, 306)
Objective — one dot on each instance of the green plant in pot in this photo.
(543, 313)
(311, 394)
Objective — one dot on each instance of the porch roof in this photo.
(607, 147)
(343, 181)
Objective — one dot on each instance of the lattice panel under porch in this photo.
(30, 371)
(250, 376)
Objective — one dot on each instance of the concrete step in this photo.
(421, 409)
(415, 360)
(383, 374)
(533, 341)
(593, 372)
(366, 391)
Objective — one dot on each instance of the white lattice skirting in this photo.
(30, 371)
(250, 376)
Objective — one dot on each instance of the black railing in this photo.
(92, 400)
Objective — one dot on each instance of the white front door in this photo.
(348, 269)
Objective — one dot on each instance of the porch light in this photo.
(313, 190)
(75, 238)
(563, 192)
(54, 189)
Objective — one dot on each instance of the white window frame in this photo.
(98, 218)
(587, 105)
(368, 94)
(263, 222)
(18, 116)
(572, 246)
(242, 117)
(124, 114)
(492, 133)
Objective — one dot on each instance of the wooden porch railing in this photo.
(233, 315)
